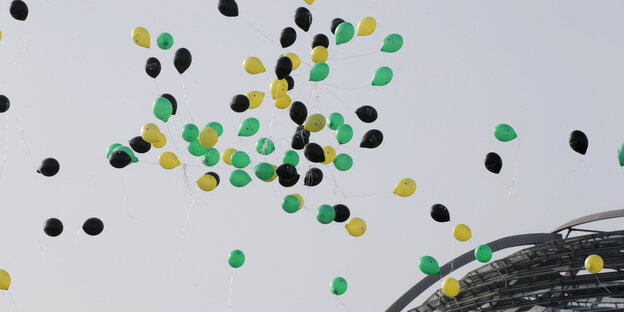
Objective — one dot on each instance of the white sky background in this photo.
(77, 84)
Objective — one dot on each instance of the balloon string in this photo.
(185, 225)
(230, 296)
(6, 146)
(41, 248)
(601, 284)
(342, 303)
(355, 56)
(499, 273)
(21, 131)
(368, 195)
(186, 101)
(346, 88)
(261, 33)
(339, 99)
(13, 300)
(457, 302)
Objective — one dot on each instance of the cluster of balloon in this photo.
(181, 60)
(53, 227)
(504, 133)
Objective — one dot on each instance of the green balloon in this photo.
(264, 171)
(504, 133)
(344, 134)
(162, 109)
(483, 253)
(236, 258)
(319, 72)
(240, 159)
(343, 162)
(429, 265)
(165, 41)
(265, 146)
(344, 32)
(392, 43)
(211, 158)
(249, 127)
(338, 286)
(197, 149)
(334, 120)
(621, 154)
(217, 126)
(325, 214)
(291, 157)
(190, 132)
(383, 76)
(239, 178)
(290, 203)
(111, 148)
(128, 151)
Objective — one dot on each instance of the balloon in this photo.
(49, 167)
(162, 140)
(404, 188)
(366, 113)
(119, 159)
(483, 253)
(236, 258)
(289, 183)
(335, 120)
(265, 146)
(300, 200)
(320, 40)
(294, 58)
(140, 35)
(290, 82)
(319, 72)
(313, 177)
(208, 137)
(215, 125)
(303, 18)
(53, 227)
(299, 140)
(338, 286)
(93, 226)
(173, 101)
(150, 133)
(139, 145)
(314, 153)
(309, 1)
(298, 112)
(168, 160)
(111, 148)
(290, 203)
(208, 181)
(128, 151)
(239, 178)
(594, 264)
(344, 33)
(4, 103)
(440, 213)
(196, 149)
(253, 65)
(162, 109)
(428, 265)
(255, 99)
(314, 123)
(366, 26)
(504, 133)
(383, 76)
(579, 142)
(341, 213)
(283, 67)
(182, 60)
(240, 159)
(282, 102)
(319, 54)
(493, 162)
(5, 280)
(343, 162)
(288, 37)
(450, 287)
(330, 154)
(249, 127)
(621, 155)
(152, 67)
(462, 232)
(335, 23)
(290, 157)
(392, 43)
(344, 134)
(287, 172)
(165, 41)
(190, 132)
(278, 88)
(239, 103)
(226, 156)
(264, 171)
(371, 139)
(356, 227)
(228, 8)
(211, 158)
(325, 214)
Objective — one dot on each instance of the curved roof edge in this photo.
(619, 213)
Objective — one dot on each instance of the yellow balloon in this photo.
(282, 102)
(253, 65)
(0, 35)
(356, 227)
(319, 54)
(274, 174)
(278, 88)
(330, 154)
(162, 140)
(450, 287)
(141, 37)
(150, 133)
(5, 280)
(255, 98)
(168, 160)
(300, 200)
(366, 26)
(207, 182)
(314, 123)
(295, 59)
(226, 155)
(309, 1)
(406, 187)
(462, 232)
(208, 137)
(594, 264)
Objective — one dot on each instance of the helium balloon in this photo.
(341, 212)
(152, 67)
(309, 1)
(383, 76)
(356, 227)
(621, 154)
(404, 188)
(319, 54)
(319, 72)
(93, 226)
(579, 142)
(335, 23)
(483, 253)
(366, 26)
(236, 258)
(128, 151)
(325, 214)
(53, 227)
(288, 37)
(344, 134)
(303, 18)
(216, 126)
(240, 159)
(228, 8)
(140, 36)
(253, 65)
(330, 154)
(335, 120)
(162, 140)
(208, 181)
(5, 280)
(168, 160)
(450, 287)
(289, 183)
(173, 101)
(294, 58)
(338, 286)
(249, 127)
(314, 123)
(290, 203)
(320, 40)
(283, 67)
(208, 137)
(300, 200)
(314, 153)
(111, 148)
(226, 156)
(264, 171)
(343, 162)
(366, 113)
(165, 41)
(299, 140)
(190, 132)
(290, 157)
(428, 265)
(239, 103)
(504, 133)
(239, 178)
(278, 88)
(313, 177)
(150, 133)
(139, 145)
(19, 10)
(440, 213)
(594, 264)
(49, 167)
(392, 43)
(493, 162)
(182, 60)
(265, 146)
(371, 139)
(287, 172)
(162, 109)
(290, 82)
(211, 158)
(4, 103)
(298, 112)
(282, 102)
(196, 149)
(462, 232)
(255, 99)
(344, 33)
(119, 159)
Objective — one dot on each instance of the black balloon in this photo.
(287, 172)
(334, 24)
(291, 82)
(320, 40)
(152, 67)
(4, 103)
(239, 103)
(289, 183)
(314, 153)
(93, 226)
(119, 159)
(283, 67)
(303, 18)
(182, 60)
(493, 162)
(228, 8)
(19, 10)
(49, 167)
(371, 139)
(288, 37)
(53, 227)
(173, 101)
(313, 177)
(366, 113)
(216, 176)
(298, 112)
(342, 213)
(300, 138)
(139, 145)
(579, 142)
(440, 213)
